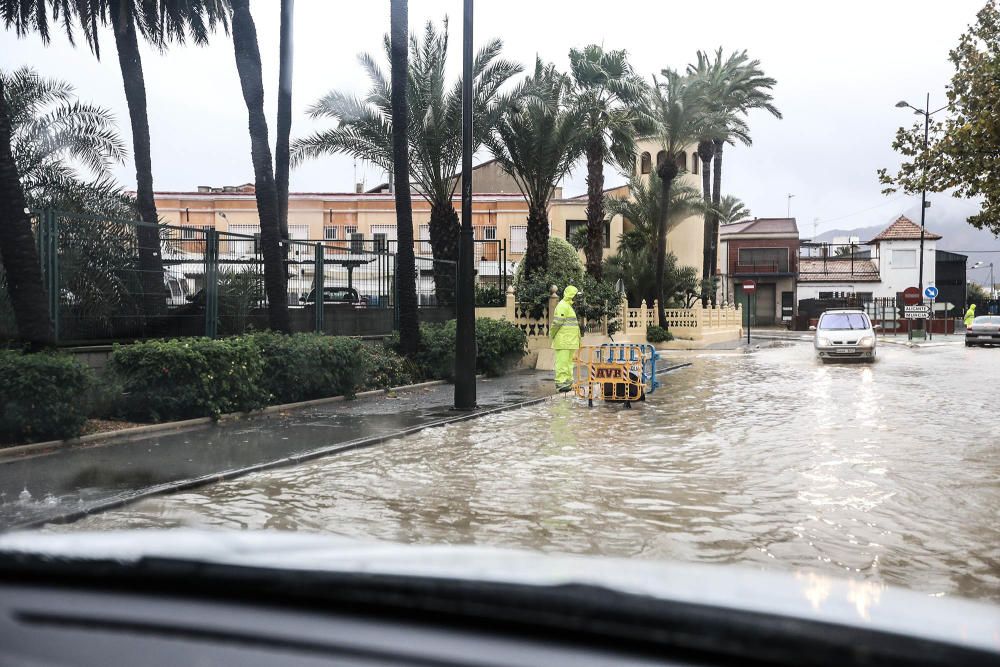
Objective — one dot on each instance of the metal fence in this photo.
(108, 279)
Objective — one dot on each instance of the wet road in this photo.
(888, 473)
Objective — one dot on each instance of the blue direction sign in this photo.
(931, 292)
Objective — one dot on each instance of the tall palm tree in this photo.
(735, 85)
(251, 81)
(158, 22)
(609, 96)
(17, 247)
(678, 107)
(536, 140)
(283, 127)
(406, 280)
(637, 247)
(434, 130)
(732, 209)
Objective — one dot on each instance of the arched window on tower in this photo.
(682, 161)
(645, 163)
(695, 163)
(661, 157)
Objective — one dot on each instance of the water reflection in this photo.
(770, 460)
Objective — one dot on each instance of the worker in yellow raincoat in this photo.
(970, 315)
(565, 335)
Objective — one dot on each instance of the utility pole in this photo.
(465, 329)
(788, 210)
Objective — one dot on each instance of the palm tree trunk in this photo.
(284, 121)
(536, 256)
(406, 285)
(595, 207)
(249, 68)
(706, 151)
(716, 200)
(444, 229)
(667, 172)
(148, 237)
(18, 253)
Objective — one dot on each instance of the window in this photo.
(573, 225)
(904, 259)
(331, 233)
(645, 163)
(762, 260)
(843, 321)
(187, 233)
(682, 161)
(826, 295)
(380, 244)
(350, 230)
(518, 239)
(424, 234)
(695, 160)
(661, 157)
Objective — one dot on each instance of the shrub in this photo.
(42, 396)
(657, 334)
(385, 368)
(599, 299)
(304, 366)
(490, 296)
(565, 268)
(196, 377)
(499, 346)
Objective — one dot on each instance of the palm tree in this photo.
(678, 107)
(735, 85)
(17, 246)
(249, 68)
(159, 22)
(637, 247)
(608, 95)
(536, 140)
(364, 130)
(409, 325)
(284, 121)
(732, 209)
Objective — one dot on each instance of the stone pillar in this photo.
(643, 323)
(511, 312)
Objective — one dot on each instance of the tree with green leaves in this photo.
(732, 209)
(537, 140)
(434, 130)
(733, 86)
(635, 261)
(251, 81)
(679, 110)
(406, 278)
(963, 150)
(609, 97)
(159, 22)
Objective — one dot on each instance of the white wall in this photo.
(896, 276)
(812, 290)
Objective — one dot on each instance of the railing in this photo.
(773, 267)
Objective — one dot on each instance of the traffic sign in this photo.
(919, 308)
(919, 312)
(911, 295)
(749, 285)
(931, 292)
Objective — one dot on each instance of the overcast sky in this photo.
(840, 70)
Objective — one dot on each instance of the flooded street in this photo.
(887, 472)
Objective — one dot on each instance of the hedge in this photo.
(43, 396)
(657, 334)
(499, 346)
(305, 366)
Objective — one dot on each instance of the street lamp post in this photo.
(465, 329)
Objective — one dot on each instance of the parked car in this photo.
(984, 330)
(347, 296)
(844, 334)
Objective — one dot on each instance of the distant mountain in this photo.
(946, 217)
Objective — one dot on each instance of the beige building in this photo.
(499, 212)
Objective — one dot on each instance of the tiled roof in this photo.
(761, 226)
(817, 270)
(904, 229)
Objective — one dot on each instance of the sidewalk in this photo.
(66, 483)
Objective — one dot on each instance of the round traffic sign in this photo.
(749, 285)
(931, 292)
(911, 296)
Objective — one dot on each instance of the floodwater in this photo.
(887, 472)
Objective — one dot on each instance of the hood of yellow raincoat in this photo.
(570, 292)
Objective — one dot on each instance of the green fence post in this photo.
(318, 279)
(395, 292)
(211, 283)
(51, 264)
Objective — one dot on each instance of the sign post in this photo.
(911, 297)
(749, 287)
(931, 292)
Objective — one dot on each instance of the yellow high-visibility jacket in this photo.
(565, 329)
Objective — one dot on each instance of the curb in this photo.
(361, 443)
(18, 452)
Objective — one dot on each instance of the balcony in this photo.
(762, 269)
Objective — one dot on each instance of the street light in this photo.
(926, 113)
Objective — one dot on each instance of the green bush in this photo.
(657, 334)
(385, 368)
(42, 396)
(565, 268)
(490, 296)
(196, 377)
(599, 299)
(304, 366)
(499, 344)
